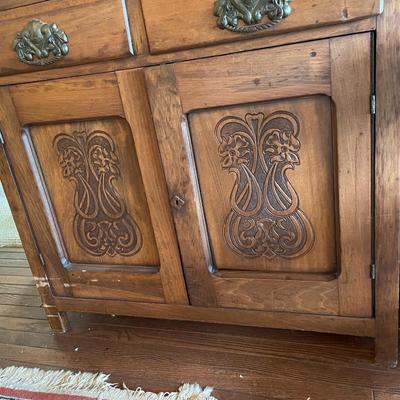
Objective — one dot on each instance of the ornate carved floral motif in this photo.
(40, 43)
(251, 12)
(265, 219)
(102, 225)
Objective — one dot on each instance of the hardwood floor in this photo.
(239, 362)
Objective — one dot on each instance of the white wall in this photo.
(8, 231)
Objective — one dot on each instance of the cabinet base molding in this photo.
(279, 320)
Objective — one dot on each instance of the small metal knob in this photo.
(40, 43)
(177, 202)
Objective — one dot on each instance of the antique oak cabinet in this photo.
(229, 161)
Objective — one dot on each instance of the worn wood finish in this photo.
(387, 189)
(137, 110)
(169, 122)
(56, 319)
(29, 289)
(16, 280)
(351, 98)
(7, 4)
(25, 183)
(386, 396)
(242, 78)
(176, 120)
(20, 300)
(186, 24)
(21, 272)
(67, 99)
(116, 283)
(280, 320)
(239, 362)
(269, 294)
(148, 60)
(205, 84)
(137, 27)
(96, 31)
(128, 268)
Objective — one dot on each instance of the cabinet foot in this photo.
(386, 349)
(58, 322)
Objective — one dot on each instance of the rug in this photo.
(18, 383)
(8, 231)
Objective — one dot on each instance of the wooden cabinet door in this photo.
(86, 161)
(268, 157)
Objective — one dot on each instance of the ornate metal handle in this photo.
(251, 12)
(40, 43)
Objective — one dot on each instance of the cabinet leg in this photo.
(386, 347)
(58, 321)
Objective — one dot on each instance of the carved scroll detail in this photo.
(102, 225)
(265, 219)
(251, 12)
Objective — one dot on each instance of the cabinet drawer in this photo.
(95, 30)
(183, 24)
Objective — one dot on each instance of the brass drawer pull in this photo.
(40, 43)
(251, 12)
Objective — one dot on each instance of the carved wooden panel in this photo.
(265, 219)
(102, 224)
(93, 188)
(267, 182)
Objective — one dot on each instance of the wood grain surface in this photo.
(351, 91)
(186, 24)
(204, 93)
(301, 69)
(75, 265)
(387, 172)
(95, 28)
(143, 60)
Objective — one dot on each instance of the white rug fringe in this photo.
(90, 385)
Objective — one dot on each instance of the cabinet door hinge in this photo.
(373, 272)
(373, 104)
(1, 137)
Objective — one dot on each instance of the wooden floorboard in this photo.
(16, 280)
(241, 363)
(24, 290)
